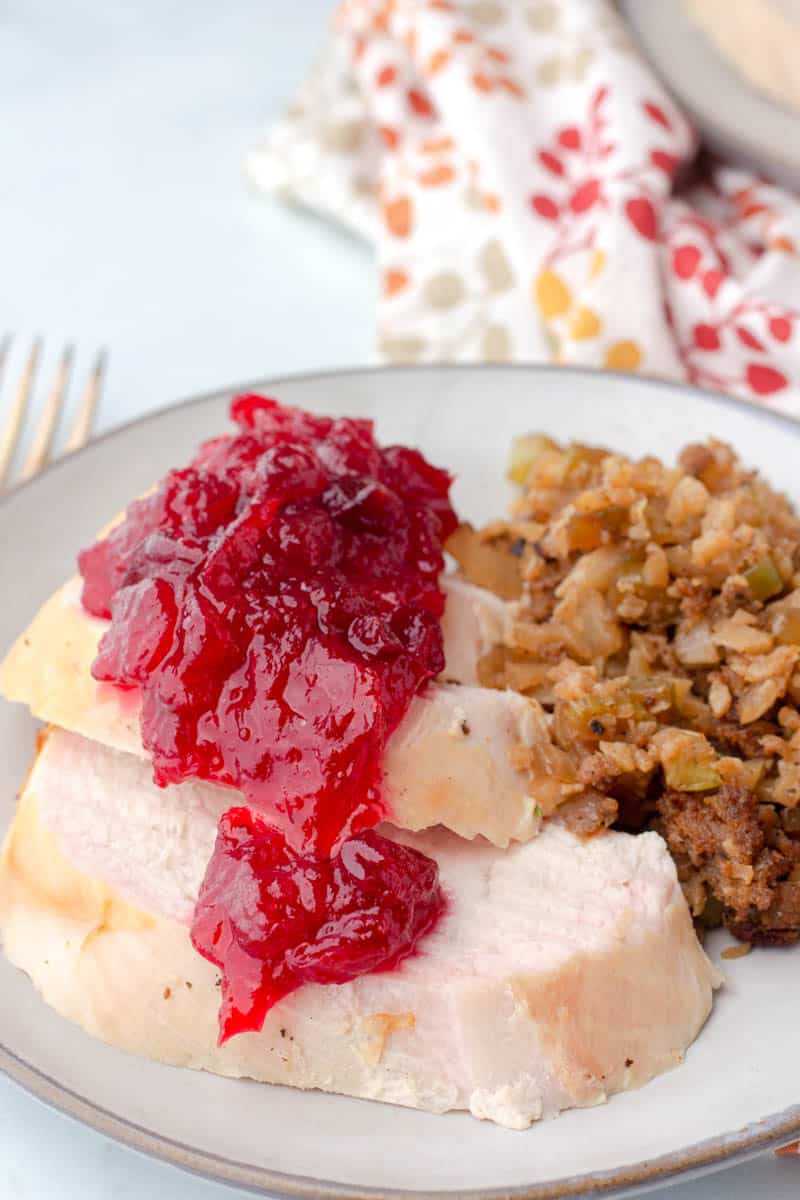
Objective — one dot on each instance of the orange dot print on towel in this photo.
(467, 297)
(434, 167)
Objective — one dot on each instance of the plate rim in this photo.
(700, 1158)
(717, 125)
(724, 1150)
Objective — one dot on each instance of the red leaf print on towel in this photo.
(580, 192)
(583, 164)
(551, 162)
(642, 215)
(722, 342)
(570, 138)
(765, 380)
(780, 328)
(585, 196)
(712, 281)
(685, 261)
(665, 162)
(747, 339)
(706, 337)
(545, 207)
(657, 114)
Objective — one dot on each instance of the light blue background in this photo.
(124, 221)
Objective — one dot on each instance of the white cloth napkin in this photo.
(514, 163)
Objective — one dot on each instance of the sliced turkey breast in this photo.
(474, 621)
(562, 972)
(473, 759)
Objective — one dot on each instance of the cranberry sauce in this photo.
(272, 919)
(277, 605)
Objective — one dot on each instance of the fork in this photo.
(41, 447)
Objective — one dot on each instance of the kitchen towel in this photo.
(533, 193)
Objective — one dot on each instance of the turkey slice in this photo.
(562, 972)
(476, 760)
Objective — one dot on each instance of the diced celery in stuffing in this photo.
(691, 765)
(693, 777)
(525, 450)
(763, 579)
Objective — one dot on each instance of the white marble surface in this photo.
(124, 222)
(124, 219)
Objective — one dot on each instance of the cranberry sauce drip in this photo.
(272, 919)
(277, 605)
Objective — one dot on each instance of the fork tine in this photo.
(13, 426)
(82, 426)
(43, 437)
(5, 347)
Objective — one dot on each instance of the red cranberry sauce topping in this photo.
(272, 919)
(277, 605)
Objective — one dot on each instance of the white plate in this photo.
(736, 120)
(737, 1092)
